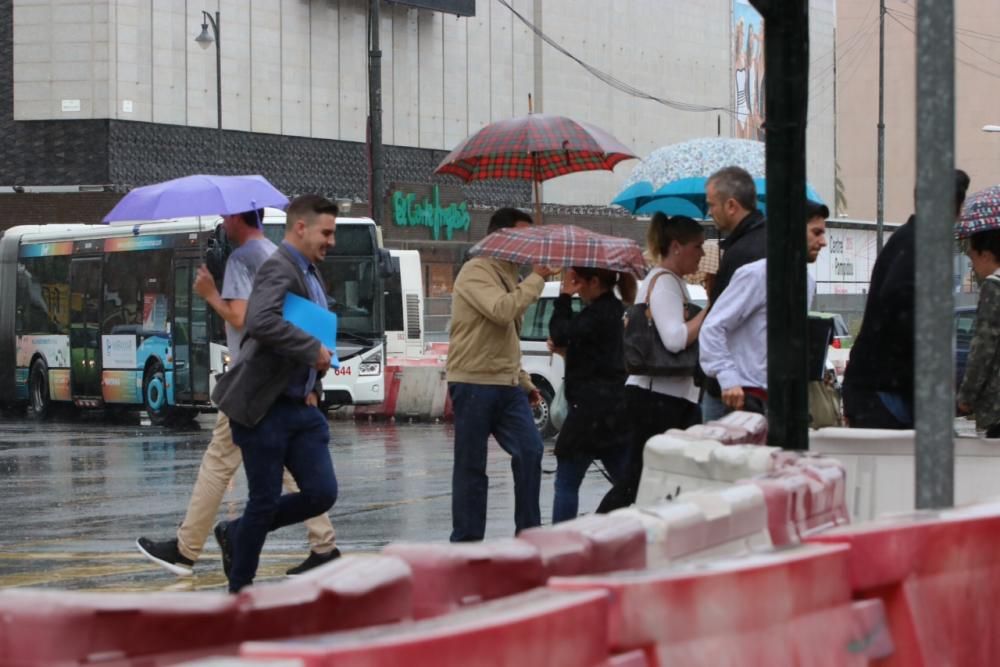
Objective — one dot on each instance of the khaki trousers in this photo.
(221, 461)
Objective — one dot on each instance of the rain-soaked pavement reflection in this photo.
(75, 495)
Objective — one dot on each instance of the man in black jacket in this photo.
(732, 202)
(878, 381)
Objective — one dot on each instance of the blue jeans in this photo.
(295, 436)
(570, 471)
(712, 408)
(480, 411)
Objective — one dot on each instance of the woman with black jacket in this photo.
(595, 426)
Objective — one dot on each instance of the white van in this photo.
(547, 369)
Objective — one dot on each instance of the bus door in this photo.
(190, 333)
(85, 325)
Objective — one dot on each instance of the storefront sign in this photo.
(409, 213)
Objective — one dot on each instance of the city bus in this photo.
(104, 316)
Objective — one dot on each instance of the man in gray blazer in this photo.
(272, 395)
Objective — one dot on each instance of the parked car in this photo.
(547, 369)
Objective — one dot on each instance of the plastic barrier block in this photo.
(104, 627)
(736, 517)
(938, 574)
(543, 627)
(785, 497)
(739, 602)
(850, 634)
(564, 552)
(630, 659)
(754, 424)
(447, 576)
(827, 505)
(673, 529)
(704, 523)
(616, 543)
(674, 465)
(715, 432)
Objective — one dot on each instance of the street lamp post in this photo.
(204, 39)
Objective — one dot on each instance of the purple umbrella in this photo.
(197, 195)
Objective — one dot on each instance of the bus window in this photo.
(136, 288)
(43, 295)
(394, 320)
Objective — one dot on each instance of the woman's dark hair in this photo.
(986, 242)
(663, 231)
(610, 279)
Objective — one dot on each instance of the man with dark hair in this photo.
(733, 338)
(222, 458)
(878, 381)
(489, 391)
(732, 202)
(272, 395)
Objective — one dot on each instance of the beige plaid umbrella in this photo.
(709, 264)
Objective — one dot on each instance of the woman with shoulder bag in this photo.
(655, 404)
(595, 370)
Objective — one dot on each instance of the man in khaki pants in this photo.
(223, 458)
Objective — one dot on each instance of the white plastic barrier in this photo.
(880, 468)
(674, 463)
(702, 524)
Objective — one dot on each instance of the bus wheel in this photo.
(154, 394)
(38, 389)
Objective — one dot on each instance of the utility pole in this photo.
(880, 186)
(786, 61)
(934, 374)
(376, 188)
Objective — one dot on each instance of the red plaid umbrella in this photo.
(535, 147)
(563, 245)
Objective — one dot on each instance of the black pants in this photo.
(649, 414)
(864, 409)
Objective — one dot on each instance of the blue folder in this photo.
(314, 320)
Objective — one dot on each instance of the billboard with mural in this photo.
(748, 71)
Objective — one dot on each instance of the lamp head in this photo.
(205, 38)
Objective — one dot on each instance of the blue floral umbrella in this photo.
(672, 179)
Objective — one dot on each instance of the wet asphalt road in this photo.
(75, 495)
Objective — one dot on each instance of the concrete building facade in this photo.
(977, 94)
(118, 93)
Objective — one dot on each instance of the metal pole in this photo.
(786, 54)
(216, 26)
(375, 115)
(934, 365)
(880, 186)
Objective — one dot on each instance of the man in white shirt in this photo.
(733, 339)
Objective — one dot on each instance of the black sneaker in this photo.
(222, 537)
(166, 555)
(313, 560)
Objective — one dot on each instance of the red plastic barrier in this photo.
(781, 608)
(393, 378)
(785, 495)
(542, 627)
(753, 425)
(938, 574)
(447, 576)
(616, 543)
(65, 627)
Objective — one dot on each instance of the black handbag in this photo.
(643, 347)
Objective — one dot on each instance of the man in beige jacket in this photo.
(489, 391)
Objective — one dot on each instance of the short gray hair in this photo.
(736, 183)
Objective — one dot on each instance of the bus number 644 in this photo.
(343, 370)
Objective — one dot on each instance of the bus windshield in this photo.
(350, 276)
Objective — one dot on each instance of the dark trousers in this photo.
(570, 471)
(649, 414)
(503, 412)
(864, 409)
(295, 436)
